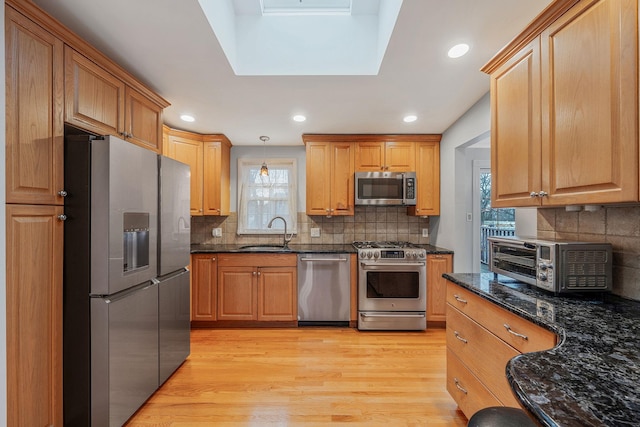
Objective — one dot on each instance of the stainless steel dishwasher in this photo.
(324, 284)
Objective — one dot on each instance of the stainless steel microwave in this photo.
(556, 266)
(385, 188)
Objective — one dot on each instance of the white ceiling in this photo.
(170, 46)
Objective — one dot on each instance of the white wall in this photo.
(3, 234)
(450, 229)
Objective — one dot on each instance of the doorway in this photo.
(488, 221)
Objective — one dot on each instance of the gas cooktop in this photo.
(384, 245)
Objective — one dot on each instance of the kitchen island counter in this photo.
(592, 376)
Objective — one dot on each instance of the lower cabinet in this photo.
(437, 265)
(34, 315)
(204, 287)
(481, 339)
(232, 289)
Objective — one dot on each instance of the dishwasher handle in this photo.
(325, 259)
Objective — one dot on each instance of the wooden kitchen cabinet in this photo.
(100, 102)
(34, 123)
(209, 158)
(258, 288)
(427, 177)
(481, 339)
(204, 288)
(34, 315)
(437, 265)
(385, 156)
(330, 176)
(569, 135)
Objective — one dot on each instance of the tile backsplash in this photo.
(617, 225)
(368, 223)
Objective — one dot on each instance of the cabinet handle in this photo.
(458, 386)
(533, 194)
(62, 217)
(457, 334)
(213, 259)
(62, 193)
(254, 273)
(259, 273)
(512, 332)
(464, 301)
(542, 193)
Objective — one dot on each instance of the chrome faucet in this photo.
(286, 239)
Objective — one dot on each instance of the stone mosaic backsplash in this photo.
(617, 225)
(368, 223)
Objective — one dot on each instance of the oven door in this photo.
(392, 286)
(517, 260)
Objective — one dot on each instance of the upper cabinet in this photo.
(330, 185)
(385, 156)
(427, 177)
(208, 156)
(100, 102)
(34, 124)
(564, 108)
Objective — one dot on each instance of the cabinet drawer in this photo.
(257, 260)
(496, 320)
(466, 390)
(482, 352)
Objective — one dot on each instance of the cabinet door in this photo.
(277, 294)
(94, 98)
(589, 104)
(34, 122)
(142, 120)
(437, 265)
(34, 315)
(370, 156)
(190, 152)
(216, 178)
(342, 184)
(318, 165)
(515, 130)
(204, 288)
(428, 179)
(237, 293)
(400, 156)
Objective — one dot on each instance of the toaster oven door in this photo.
(517, 260)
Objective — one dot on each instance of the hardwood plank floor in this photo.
(306, 377)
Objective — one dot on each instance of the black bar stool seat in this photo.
(501, 416)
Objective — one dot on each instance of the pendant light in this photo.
(264, 170)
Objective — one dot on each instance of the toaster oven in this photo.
(553, 265)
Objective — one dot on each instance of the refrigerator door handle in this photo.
(123, 294)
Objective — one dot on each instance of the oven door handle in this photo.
(394, 266)
(392, 315)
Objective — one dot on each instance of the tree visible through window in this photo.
(493, 222)
(260, 198)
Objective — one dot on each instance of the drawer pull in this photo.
(458, 386)
(464, 301)
(512, 332)
(457, 334)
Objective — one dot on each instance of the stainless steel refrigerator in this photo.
(111, 315)
(173, 257)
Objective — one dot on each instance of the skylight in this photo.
(305, 7)
(298, 37)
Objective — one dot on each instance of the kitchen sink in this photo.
(264, 248)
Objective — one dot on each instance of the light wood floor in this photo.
(306, 377)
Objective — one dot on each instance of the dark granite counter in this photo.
(299, 248)
(592, 377)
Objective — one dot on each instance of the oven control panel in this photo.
(392, 254)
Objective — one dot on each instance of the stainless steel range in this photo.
(392, 286)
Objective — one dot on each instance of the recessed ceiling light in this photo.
(410, 118)
(299, 118)
(458, 50)
(188, 118)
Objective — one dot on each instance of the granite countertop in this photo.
(299, 248)
(592, 377)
